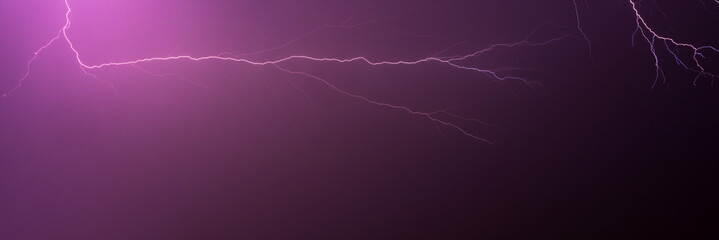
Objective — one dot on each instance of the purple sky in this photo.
(310, 149)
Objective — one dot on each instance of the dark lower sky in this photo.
(546, 138)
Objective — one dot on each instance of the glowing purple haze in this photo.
(334, 119)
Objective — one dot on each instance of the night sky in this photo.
(573, 137)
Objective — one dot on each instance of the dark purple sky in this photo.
(212, 149)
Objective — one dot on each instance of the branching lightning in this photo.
(673, 46)
(453, 61)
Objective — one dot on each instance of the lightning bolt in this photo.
(453, 61)
(672, 46)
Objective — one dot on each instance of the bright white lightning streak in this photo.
(451, 61)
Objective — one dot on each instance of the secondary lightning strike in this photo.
(399, 107)
(651, 37)
(581, 31)
(29, 62)
(451, 61)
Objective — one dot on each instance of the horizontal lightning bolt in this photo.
(450, 61)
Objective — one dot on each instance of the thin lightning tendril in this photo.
(581, 31)
(29, 62)
(453, 61)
